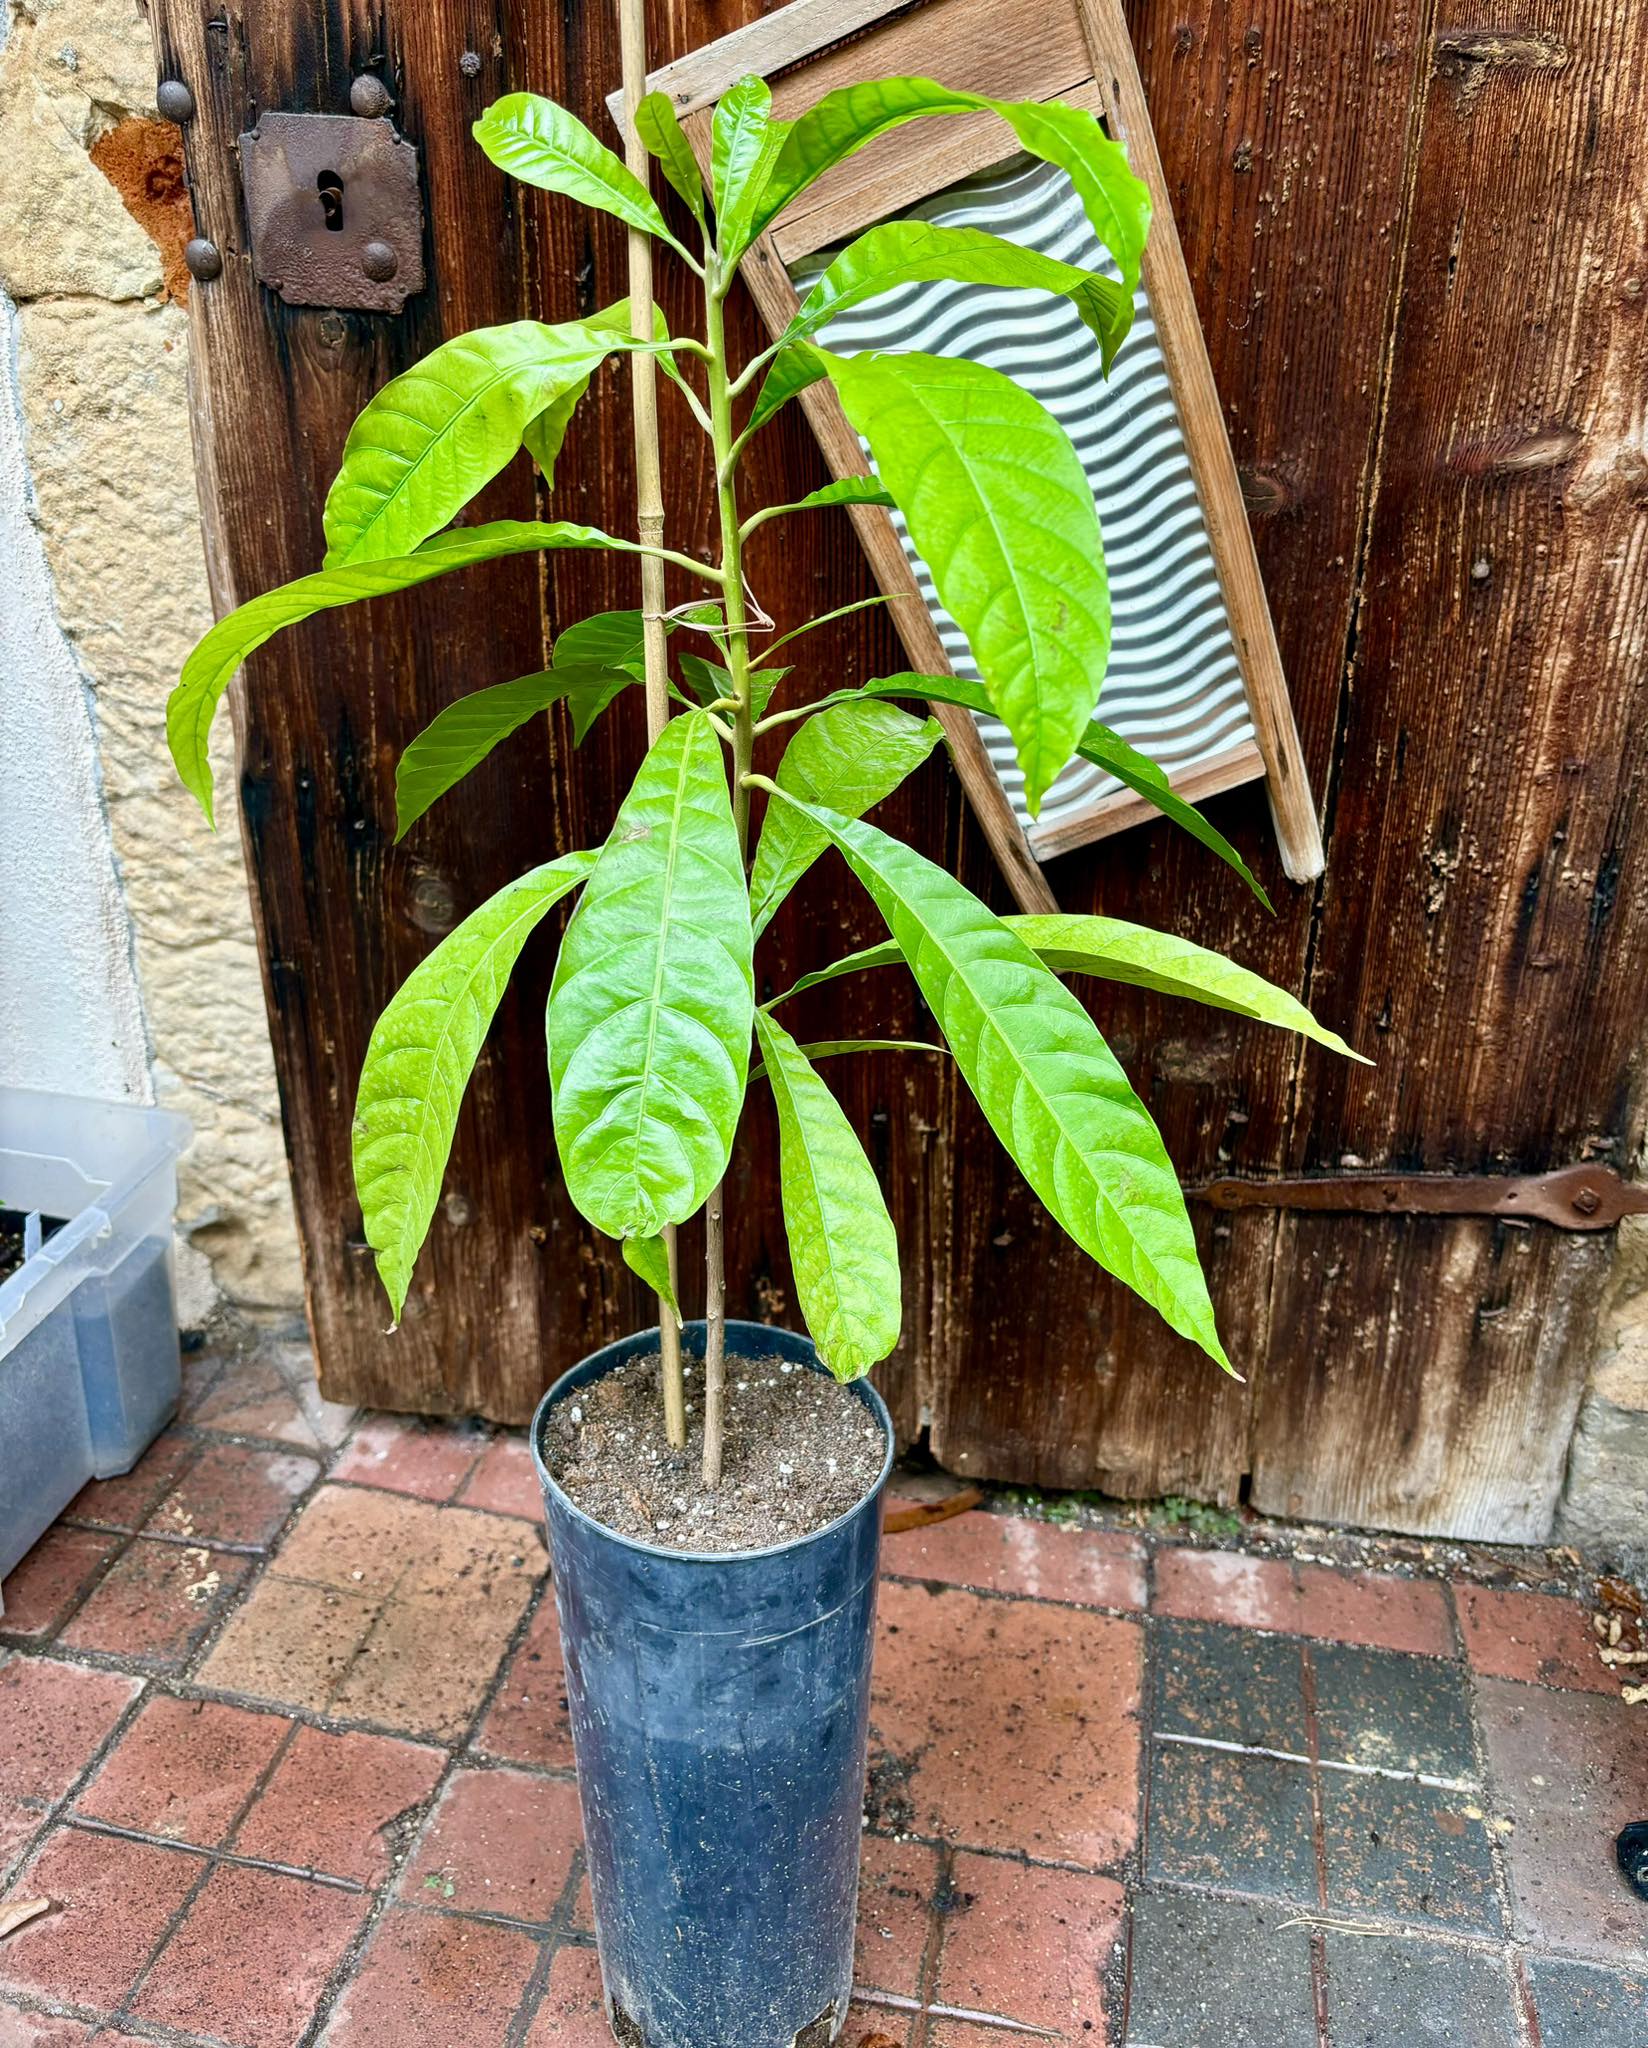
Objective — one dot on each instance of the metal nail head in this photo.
(369, 96)
(202, 259)
(175, 101)
(379, 262)
(470, 64)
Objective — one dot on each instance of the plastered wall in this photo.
(131, 963)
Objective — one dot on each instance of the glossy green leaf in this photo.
(710, 682)
(660, 130)
(795, 367)
(843, 1249)
(847, 759)
(211, 666)
(846, 490)
(1044, 1077)
(546, 433)
(832, 1048)
(650, 1010)
(461, 736)
(1098, 744)
(1117, 203)
(745, 142)
(903, 252)
(648, 1259)
(1000, 510)
(420, 1057)
(540, 143)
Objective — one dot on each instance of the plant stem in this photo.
(725, 446)
(649, 510)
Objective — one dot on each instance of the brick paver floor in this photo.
(283, 1739)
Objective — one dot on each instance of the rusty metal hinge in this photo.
(333, 206)
(1571, 1197)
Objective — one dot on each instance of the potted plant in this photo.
(715, 1563)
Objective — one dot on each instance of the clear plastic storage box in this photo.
(89, 1369)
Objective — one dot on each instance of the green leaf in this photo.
(210, 668)
(1044, 1077)
(905, 252)
(710, 682)
(830, 1048)
(540, 143)
(648, 1258)
(847, 759)
(546, 433)
(744, 144)
(1001, 511)
(1116, 203)
(843, 1248)
(441, 431)
(796, 366)
(419, 1060)
(651, 1005)
(660, 130)
(461, 736)
(846, 490)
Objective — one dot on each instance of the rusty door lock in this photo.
(334, 212)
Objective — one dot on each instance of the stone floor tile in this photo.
(1218, 1973)
(499, 1842)
(1389, 1989)
(232, 1494)
(1582, 2006)
(255, 1399)
(290, 1643)
(505, 1481)
(1006, 1725)
(113, 1898)
(41, 1589)
(184, 1769)
(1029, 1945)
(252, 1957)
(896, 1884)
(1018, 1554)
(573, 2013)
(1532, 1636)
(407, 1455)
(1568, 1770)
(1229, 1686)
(344, 1804)
(1241, 1823)
(1408, 1852)
(158, 1603)
(1370, 1608)
(1395, 1712)
(527, 1722)
(430, 1977)
(357, 1540)
(1225, 1586)
(126, 1501)
(55, 1718)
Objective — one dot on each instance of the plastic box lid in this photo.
(108, 1168)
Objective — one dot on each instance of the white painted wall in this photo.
(70, 1015)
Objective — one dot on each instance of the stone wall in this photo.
(1605, 1507)
(93, 214)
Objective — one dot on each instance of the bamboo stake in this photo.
(649, 505)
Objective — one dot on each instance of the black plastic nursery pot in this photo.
(719, 1705)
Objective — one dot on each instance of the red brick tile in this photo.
(290, 1643)
(574, 2013)
(158, 1603)
(948, 2033)
(114, 1899)
(55, 1717)
(1532, 1636)
(500, 1842)
(234, 1495)
(430, 1977)
(124, 1503)
(18, 1821)
(527, 1721)
(430, 1459)
(1016, 1554)
(583, 1906)
(253, 1399)
(1568, 1770)
(1367, 1608)
(1029, 1945)
(252, 1958)
(1004, 1725)
(332, 1800)
(505, 1481)
(19, 2029)
(40, 1590)
(184, 1769)
(895, 1897)
(877, 2026)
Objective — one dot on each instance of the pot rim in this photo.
(559, 1390)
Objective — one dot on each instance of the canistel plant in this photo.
(652, 1021)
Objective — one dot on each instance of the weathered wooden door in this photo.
(1413, 229)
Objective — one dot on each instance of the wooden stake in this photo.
(649, 508)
